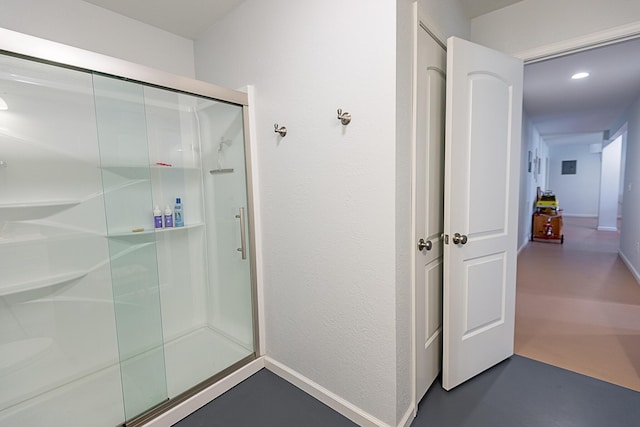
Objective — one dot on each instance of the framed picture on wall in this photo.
(569, 167)
(539, 167)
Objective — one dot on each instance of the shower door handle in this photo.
(243, 247)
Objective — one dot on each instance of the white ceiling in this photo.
(556, 104)
(475, 8)
(189, 18)
(186, 18)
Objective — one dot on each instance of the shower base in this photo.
(96, 399)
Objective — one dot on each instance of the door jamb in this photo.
(578, 44)
(418, 25)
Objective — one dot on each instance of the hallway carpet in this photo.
(578, 306)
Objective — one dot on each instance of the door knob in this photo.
(459, 239)
(422, 245)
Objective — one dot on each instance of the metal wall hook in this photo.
(345, 118)
(281, 130)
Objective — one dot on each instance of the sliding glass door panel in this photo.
(126, 176)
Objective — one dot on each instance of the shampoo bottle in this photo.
(168, 217)
(177, 211)
(157, 217)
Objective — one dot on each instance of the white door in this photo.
(482, 166)
(429, 197)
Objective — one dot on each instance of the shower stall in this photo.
(106, 316)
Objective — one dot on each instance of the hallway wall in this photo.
(578, 194)
(529, 181)
(629, 231)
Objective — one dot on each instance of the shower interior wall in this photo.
(58, 309)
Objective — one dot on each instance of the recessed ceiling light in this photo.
(580, 76)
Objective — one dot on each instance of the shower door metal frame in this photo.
(36, 49)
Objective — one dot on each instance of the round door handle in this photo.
(422, 245)
(459, 239)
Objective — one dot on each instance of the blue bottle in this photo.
(177, 212)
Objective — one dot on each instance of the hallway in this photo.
(578, 306)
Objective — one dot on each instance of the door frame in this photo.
(542, 53)
(417, 26)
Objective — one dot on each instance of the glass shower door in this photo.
(58, 348)
(227, 211)
(205, 284)
(182, 293)
(126, 180)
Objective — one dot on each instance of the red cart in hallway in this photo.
(546, 223)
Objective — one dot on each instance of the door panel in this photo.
(429, 215)
(488, 185)
(484, 296)
(483, 122)
(433, 298)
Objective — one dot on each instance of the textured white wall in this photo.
(327, 192)
(531, 24)
(80, 24)
(335, 200)
(578, 194)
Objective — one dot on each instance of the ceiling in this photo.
(556, 104)
(475, 8)
(189, 18)
(186, 18)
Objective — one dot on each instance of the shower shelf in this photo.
(42, 283)
(141, 171)
(173, 167)
(148, 232)
(34, 210)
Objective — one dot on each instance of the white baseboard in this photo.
(524, 245)
(330, 399)
(335, 402)
(196, 402)
(630, 266)
(603, 228)
(575, 215)
(408, 418)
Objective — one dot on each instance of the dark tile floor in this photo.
(521, 392)
(518, 392)
(265, 400)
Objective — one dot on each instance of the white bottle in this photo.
(157, 217)
(168, 217)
